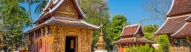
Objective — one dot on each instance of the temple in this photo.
(131, 36)
(60, 28)
(177, 26)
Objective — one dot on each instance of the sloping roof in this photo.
(171, 25)
(51, 7)
(64, 22)
(132, 30)
(188, 19)
(132, 40)
(179, 7)
(50, 4)
(184, 31)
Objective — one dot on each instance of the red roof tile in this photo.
(171, 25)
(131, 30)
(179, 7)
(132, 40)
(184, 31)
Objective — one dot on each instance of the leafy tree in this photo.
(14, 19)
(164, 43)
(115, 27)
(149, 30)
(162, 39)
(96, 13)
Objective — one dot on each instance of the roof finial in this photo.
(101, 26)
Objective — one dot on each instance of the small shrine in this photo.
(131, 36)
(177, 26)
(60, 28)
(100, 45)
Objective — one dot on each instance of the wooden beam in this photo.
(67, 13)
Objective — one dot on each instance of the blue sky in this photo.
(130, 8)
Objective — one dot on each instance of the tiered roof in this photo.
(171, 25)
(132, 30)
(62, 13)
(54, 5)
(129, 34)
(183, 31)
(178, 17)
(179, 7)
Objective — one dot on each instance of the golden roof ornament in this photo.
(101, 43)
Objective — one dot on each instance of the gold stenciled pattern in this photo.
(59, 33)
(85, 44)
(67, 10)
(56, 39)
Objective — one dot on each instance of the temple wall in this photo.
(52, 39)
(180, 45)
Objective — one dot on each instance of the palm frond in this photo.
(40, 6)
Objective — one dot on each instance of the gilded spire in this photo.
(101, 43)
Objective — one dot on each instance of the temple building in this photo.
(184, 31)
(60, 28)
(177, 26)
(131, 36)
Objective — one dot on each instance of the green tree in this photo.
(164, 43)
(162, 39)
(115, 28)
(149, 30)
(14, 19)
(96, 13)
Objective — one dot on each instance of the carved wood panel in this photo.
(67, 10)
(58, 39)
(59, 33)
(86, 40)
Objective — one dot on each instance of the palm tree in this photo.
(30, 2)
(41, 5)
